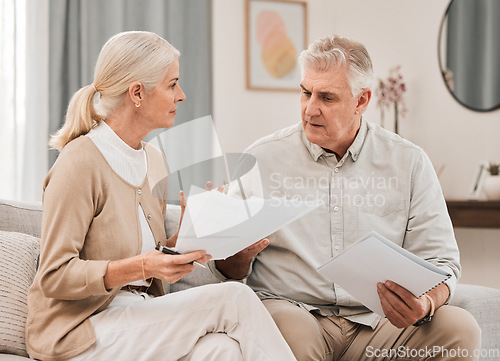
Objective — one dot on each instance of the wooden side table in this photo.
(478, 214)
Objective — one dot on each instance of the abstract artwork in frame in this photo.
(276, 33)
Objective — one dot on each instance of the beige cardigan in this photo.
(89, 218)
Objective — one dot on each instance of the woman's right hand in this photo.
(171, 268)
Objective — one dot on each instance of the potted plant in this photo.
(390, 93)
(491, 185)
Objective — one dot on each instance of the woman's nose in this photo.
(180, 97)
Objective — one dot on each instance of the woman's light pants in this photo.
(219, 322)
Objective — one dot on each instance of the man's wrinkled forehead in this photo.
(324, 81)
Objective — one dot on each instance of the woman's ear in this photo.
(136, 93)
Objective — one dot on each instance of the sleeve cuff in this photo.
(96, 270)
(452, 285)
(215, 271)
(213, 268)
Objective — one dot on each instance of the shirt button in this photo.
(336, 209)
(149, 217)
(139, 192)
(336, 170)
(337, 248)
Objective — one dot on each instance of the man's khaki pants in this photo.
(453, 334)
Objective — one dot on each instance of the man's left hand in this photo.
(400, 306)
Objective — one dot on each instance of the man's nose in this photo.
(312, 107)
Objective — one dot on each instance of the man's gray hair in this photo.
(330, 52)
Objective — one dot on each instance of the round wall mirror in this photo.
(469, 53)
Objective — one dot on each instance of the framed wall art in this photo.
(276, 33)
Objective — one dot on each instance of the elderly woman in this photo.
(98, 293)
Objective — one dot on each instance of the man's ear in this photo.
(363, 100)
(136, 92)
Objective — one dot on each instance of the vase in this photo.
(491, 187)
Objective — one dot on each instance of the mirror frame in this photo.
(440, 60)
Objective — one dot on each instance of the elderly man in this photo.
(368, 180)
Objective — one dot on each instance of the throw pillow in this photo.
(18, 257)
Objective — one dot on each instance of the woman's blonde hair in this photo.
(329, 52)
(125, 58)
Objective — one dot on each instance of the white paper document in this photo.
(375, 259)
(222, 225)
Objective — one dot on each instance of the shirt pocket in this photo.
(389, 219)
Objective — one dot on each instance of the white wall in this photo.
(242, 116)
(395, 32)
(406, 32)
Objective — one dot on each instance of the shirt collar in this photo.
(356, 146)
(316, 151)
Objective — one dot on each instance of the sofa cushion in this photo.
(18, 257)
(24, 217)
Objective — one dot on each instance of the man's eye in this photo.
(306, 93)
(173, 85)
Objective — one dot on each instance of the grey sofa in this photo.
(19, 247)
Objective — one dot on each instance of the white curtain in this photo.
(24, 112)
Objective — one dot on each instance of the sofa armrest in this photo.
(484, 304)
